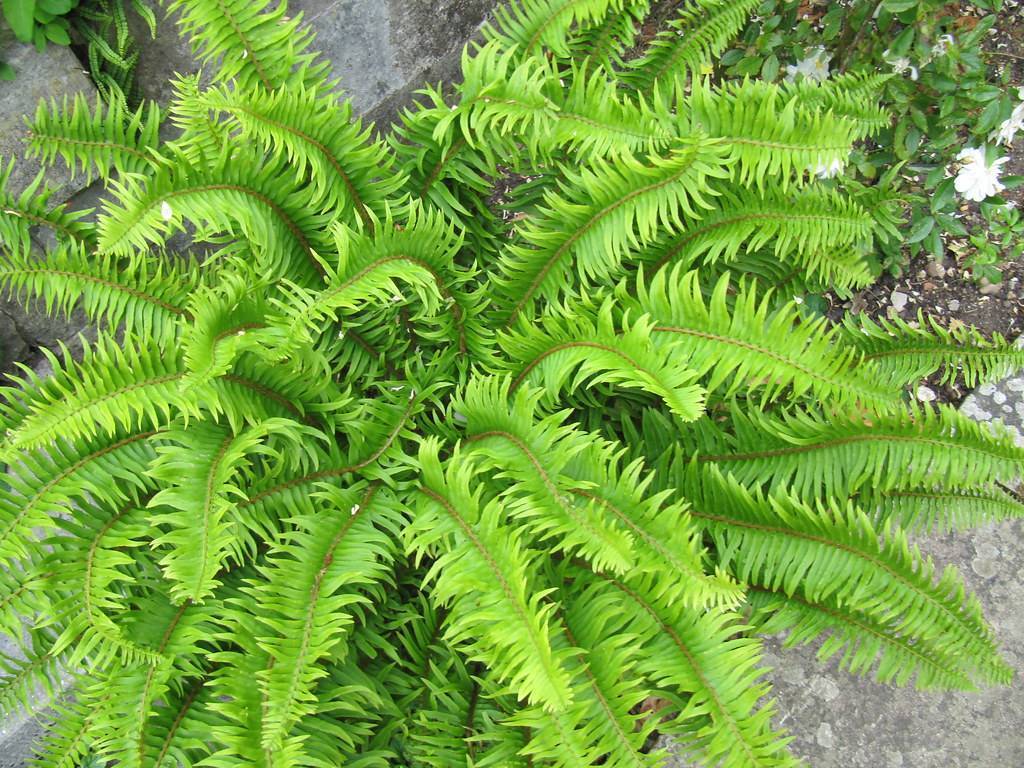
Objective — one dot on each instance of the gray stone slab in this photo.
(381, 50)
(51, 74)
(18, 733)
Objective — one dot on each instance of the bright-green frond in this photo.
(44, 483)
(598, 217)
(90, 567)
(817, 455)
(606, 722)
(702, 663)
(316, 573)
(112, 388)
(864, 644)
(31, 208)
(530, 26)
(225, 320)
(741, 342)
(836, 554)
(794, 227)
(603, 44)
(531, 456)
(24, 676)
(378, 268)
(689, 45)
(908, 354)
(145, 296)
(564, 354)
(852, 96)
(940, 510)
(769, 136)
(199, 468)
(96, 140)
(481, 572)
(255, 42)
(236, 193)
(317, 137)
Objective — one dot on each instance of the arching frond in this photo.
(852, 96)
(600, 216)
(480, 571)
(603, 44)
(529, 26)
(836, 555)
(769, 137)
(565, 353)
(255, 43)
(31, 208)
(145, 296)
(817, 456)
(796, 227)
(418, 254)
(751, 346)
(318, 138)
(606, 723)
(96, 140)
(866, 644)
(930, 510)
(112, 388)
(531, 456)
(701, 663)
(42, 484)
(315, 573)
(236, 193)
(199, 470)
(908, 354)
(689, 45)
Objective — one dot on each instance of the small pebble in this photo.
(925, 394)
(991, 289)
(824, 736)
(953, 305)
(998, 397)
(898, 299)
(935, 269)
(929, 286)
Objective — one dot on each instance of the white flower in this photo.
(829, 170)
(941, 46)
(976, 179)
(166, 211)
(900, 64)
(814, 67)
(1015, 122)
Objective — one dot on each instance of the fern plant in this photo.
(379, 473)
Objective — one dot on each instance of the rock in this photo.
(953, 305)
(935, 269)
(925, 394)
(898, 299)
(54, 73)
(385, 50)
(928, 286)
